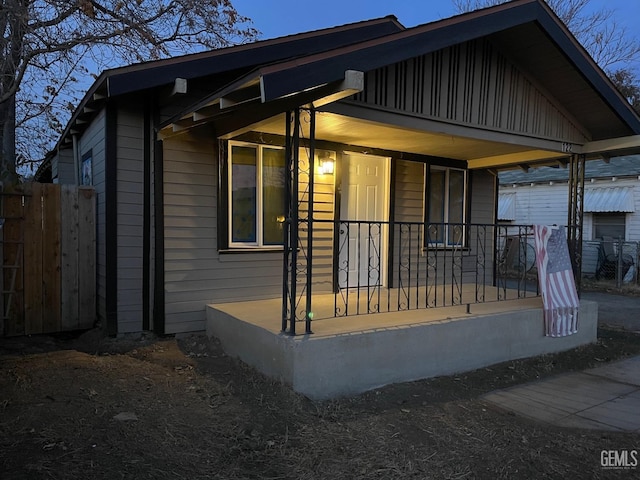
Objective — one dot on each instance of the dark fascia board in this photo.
(148, 75)
(297, 75)
(152, 74)
(293, 76)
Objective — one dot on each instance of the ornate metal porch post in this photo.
(291, 232)
(298, 250)
(575, 214)
(310, 207)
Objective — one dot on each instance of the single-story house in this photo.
(325, 203)
(611, 204)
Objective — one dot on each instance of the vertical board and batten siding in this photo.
(470, 84)
(130, 171)
(93, 139)
(196, 273)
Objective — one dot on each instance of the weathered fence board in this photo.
(33, 252)
(69, 257)
(12, 261)
(54, 227)
(51, 259)
(86, 257)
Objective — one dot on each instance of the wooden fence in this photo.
(48, 259)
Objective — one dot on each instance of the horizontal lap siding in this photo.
(408, 263)
(63, 169)
(323, 207)
(482, 209)
(414, 266)
(130, 172)
(190, 260)
(540, 204)
(196, 274)
(93, 139)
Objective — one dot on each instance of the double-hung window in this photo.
(446, 206)
(256, 195)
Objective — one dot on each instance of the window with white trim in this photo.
(256, 195)
(609, 225)
(447, 193)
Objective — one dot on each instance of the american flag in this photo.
(557, 284)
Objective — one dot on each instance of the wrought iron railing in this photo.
(396, 266)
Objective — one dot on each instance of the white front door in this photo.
(365, 187)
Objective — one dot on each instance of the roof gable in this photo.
(583, 85)
(473, 84)
(148, 75)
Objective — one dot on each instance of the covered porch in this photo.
(346, 356)
(388, 265)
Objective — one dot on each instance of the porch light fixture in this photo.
(326, 167)
(326, 163)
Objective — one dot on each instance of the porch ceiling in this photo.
(478, 153)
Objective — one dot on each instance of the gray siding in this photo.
(413, 265)
(471, 84)
(409, 267)
(191, 260)
(482, 210)
(130, 169)
(94, 139)
(196, 273)
(483, 196)
(62, 168)
(323, 206)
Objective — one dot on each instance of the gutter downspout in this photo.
(76, 160)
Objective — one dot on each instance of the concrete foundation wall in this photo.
(329, 366)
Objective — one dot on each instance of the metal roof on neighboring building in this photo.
(609, 199)
(617, 167)
(507, 206)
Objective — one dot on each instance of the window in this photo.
(611, 225)
(256, 195)
(446, 189)
(86, 177)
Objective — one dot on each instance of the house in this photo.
(325, 203)
(611, 203)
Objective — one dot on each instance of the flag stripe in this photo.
(557, 283)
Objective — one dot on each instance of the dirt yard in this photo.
(150, 408)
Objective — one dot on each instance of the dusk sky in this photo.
(275, 18)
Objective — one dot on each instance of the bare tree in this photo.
(609, 43)
(47, 44)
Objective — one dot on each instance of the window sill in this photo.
(444, 248)
(236, 250)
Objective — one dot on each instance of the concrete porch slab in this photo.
(349, 355)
